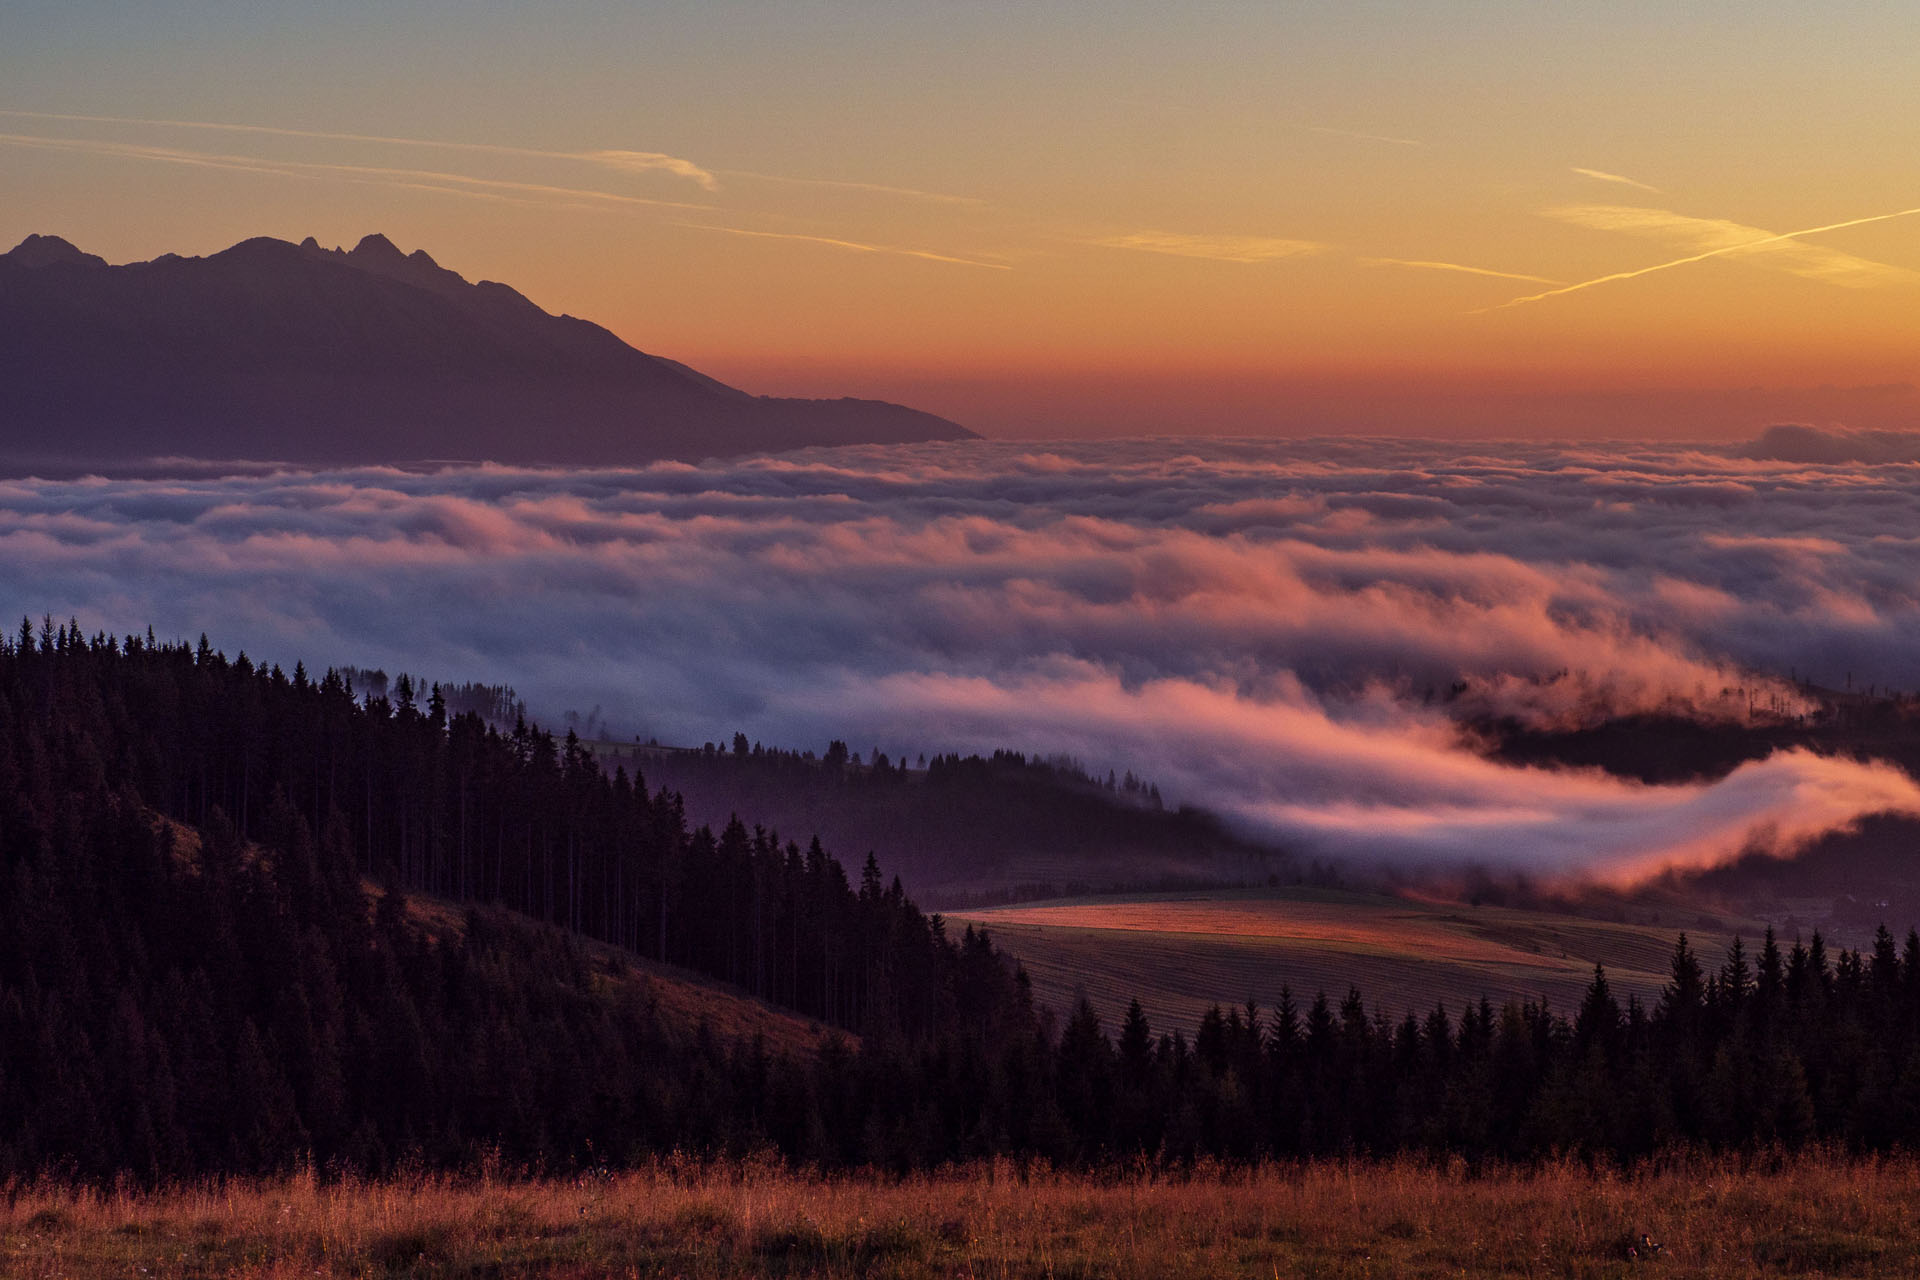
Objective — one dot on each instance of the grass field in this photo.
(1815, 1216)
(1179, 952)
(682, 999)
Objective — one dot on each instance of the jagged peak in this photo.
(46, 251)
(378, 255)
(377, 246)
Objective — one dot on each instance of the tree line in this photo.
(451, 806)
(208, 964)
(949, 822)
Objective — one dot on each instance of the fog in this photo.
(1281, 631)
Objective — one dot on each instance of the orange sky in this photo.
(1100, 218)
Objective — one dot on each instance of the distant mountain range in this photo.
(272, 350)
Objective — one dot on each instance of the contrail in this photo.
(416, 179)
(455, 184)
(853, 245)
(1245, 249)
(1601, 175)
(1355, 133)
(629, 161)
(613, 159)
(396, 178)
(1455, 266)
(1698, 257)
(880, 188)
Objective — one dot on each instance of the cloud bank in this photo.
(1268, 629)
(1797, 442)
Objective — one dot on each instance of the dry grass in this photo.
(1815, 1216)
(682, 998)
(1178, 953)
(685, 999)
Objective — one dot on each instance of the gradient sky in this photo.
(1064, 219)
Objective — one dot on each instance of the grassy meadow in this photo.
(1814, 1216)
(1180, 952)
(680, 998)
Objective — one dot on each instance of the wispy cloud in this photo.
(623, 160)
(1601, 175)
(1424, 265)
(626, 161)
(649, 162)
(1357, 134)
(436, 180)
(1815, 262)
(1249, 249)
(854, 246)
(1826, 267)
(461, 185)
(877, 188)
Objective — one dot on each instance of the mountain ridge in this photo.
(292, 352)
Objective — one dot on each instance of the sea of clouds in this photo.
(1269, 629)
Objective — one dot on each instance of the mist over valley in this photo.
(1298, 636)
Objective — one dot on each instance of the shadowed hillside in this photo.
(966, 830)
(196, 977)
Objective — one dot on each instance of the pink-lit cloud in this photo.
(1268, 629)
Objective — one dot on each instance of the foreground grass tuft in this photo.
(1818, 1215)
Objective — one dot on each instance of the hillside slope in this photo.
(681, 1004)
(962, 831)
(1180, 953)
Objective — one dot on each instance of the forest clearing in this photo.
(1178, 953)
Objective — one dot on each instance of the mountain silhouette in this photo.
(277, 351)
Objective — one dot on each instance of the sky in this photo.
(1681, 221)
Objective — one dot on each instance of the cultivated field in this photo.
(1817, 1216)
(1180, 952)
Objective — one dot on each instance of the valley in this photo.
(1178, 953)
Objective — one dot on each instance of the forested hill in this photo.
(454, 808)
(195, 978)
(965, 830)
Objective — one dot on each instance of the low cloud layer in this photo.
(1795, 442)
(1265, 628)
